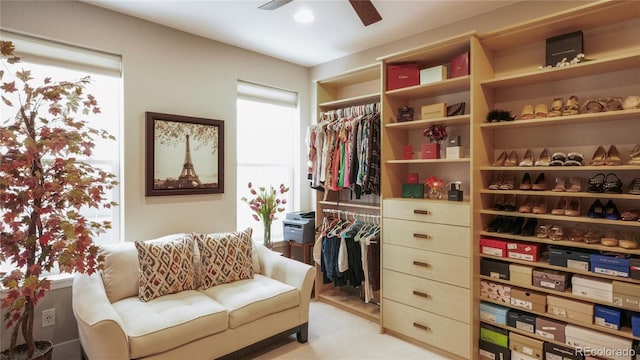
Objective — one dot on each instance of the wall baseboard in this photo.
(69, 350)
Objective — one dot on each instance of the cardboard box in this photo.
(607, 316)
(494, 335)
(598, 342)
(528, 299)
(490, 351)
(402, 75)
(407, 152)
(455, 152)
(626, 295)
(551, 279)
(522, 321)
(433, 74)
(431, 151)
(526, 345)
(520, 274)
(571, 258)
(523, 251)
(634, 267)
(459, 65)
(516, 355)
(549, 328)
(413, 191)
(495, 291)
(494, 247)
(412, 178)
(593, 288)
(493, 313)
(558, 352)
(575, 310)
(494, 268)
(433, 111)
(565, 46)
(610, 265)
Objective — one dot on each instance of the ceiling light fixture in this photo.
(304, 16)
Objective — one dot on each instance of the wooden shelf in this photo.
(351, 304)
(356, 100)
(448, 86)
(354, 76)
(560, 194)
(351, 205)
(422, 124)
(428, 161)
(607, 116)
(581, 219)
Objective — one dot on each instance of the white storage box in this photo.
(597, 343)
(593, 288)
(433, 74)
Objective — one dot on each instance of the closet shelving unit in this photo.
(359, 86)
(427, 258)
(509, 77)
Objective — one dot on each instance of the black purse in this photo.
(456, 109)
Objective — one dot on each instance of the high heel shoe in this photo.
(510, 203)
(560, 207)
(599, 156)
(613, 157)
(561, 184)
(527, 160)
(497, 181)
(544, 159)
(526, 205)
(512, 160)
(525, 184)
(573, 208)
(596, 210)
(499, 203)
(634, 156)
(611, 211)
(508, 183)
(540, 206)
(500, 160)
(575, 185)
(610, 238)
(539, 184)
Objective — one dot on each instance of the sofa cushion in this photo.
(249, 300)
(169, 321)
(166, 267)
(225, 257)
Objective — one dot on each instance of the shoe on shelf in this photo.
(592, 106)
(529, 227)
(499, 203)
(596, 210)
(612, 184)
(525, 184)
(599, 156)
(627, 240)
(613, 157)
(500, 160)
(542, 231)
(611, 211)
(495, 224)
(577, 233)
(527, 160)
(545, 158)
(572, 107)
(556, 233)
(634, 156)
(505, 225)
(634, 187)
(558, 159)
(574, 159)
(613, 104)
(573, 208)
(497, 181)
(508, 183)
(539, 205)
(596, 183)
(526, 113)
(609, 238)
(527, 205)
(516, 226)
(561, 184)
(539, 184)
(541, 111)
(510, 203)
(592, 234)
(575, 185)
(512, 160)
(556, 107)
(630, 215)
(561, 206)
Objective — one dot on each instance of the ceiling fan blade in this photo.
(366, 11)
(273, 4)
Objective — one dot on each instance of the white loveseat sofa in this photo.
(203, 323)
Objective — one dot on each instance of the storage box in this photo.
(593, 342)
(558, 352)
(433, 74)
(405, 113)
(521, 321)
(523, 251)
(520, 274)
(593, 288)
(610, 265)
(551, 279)
(433, 111)
(407, 152)
(549, 328)
(490, 351)
(607, 316)
(459, 65)
(493, 313)
(495, 291)
(413, 191)
(528, 299)
(494, 268)
(634, 267)
(565, 46)
(494, 247)
(575, 310)
(494, 335)
(402, 75)
(431, 151)
(455, 152)
(571, 258)
(516, 355)
(526, 345)
(412, 178)
(635, 324)
(626, 295)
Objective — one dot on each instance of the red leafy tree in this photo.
(44, 184)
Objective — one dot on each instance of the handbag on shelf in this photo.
(456, 109)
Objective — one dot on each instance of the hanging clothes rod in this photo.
(354, 215)
(357, 110)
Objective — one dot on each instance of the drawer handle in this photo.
(422, 264)
(421, 294)
(421, 236)
(421, 212)
(423, 327)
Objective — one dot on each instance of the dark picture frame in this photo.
(184, 155)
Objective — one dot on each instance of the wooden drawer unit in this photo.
(433, 296)
(447, 239)
(427, 327)
(430, 265)
(442, 212)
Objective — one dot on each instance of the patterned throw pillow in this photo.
(165, 267)
(225, 257)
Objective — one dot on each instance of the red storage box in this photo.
(431, 151)
(523, 251)
(402, 75)
(493, 247)
(459, 65)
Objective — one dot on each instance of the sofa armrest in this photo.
(99, 325)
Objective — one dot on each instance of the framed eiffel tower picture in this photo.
(184, 155)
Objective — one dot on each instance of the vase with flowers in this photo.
(434, 187)
(266, 204)
(436, 134)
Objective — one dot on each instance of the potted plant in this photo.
(44, 185)
(266, 204)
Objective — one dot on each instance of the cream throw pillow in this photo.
(225, 257)
(165, 267)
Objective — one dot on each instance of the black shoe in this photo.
(529, 228)
(495, 224)
(516, 227)
(505, 225)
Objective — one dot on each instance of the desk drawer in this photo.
(442, 212)
(454, 240)
(435, 330)
(426, 264)
(447, 300)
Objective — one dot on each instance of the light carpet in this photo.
(337, 334)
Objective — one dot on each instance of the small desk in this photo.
(306, 250)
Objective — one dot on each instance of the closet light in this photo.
(304, 16)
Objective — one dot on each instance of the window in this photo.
(63, 62)
(267, 127)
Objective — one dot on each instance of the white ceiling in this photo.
(336, 32)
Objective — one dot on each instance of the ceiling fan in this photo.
(364, 8)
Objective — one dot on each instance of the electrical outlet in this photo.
(48, 317)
